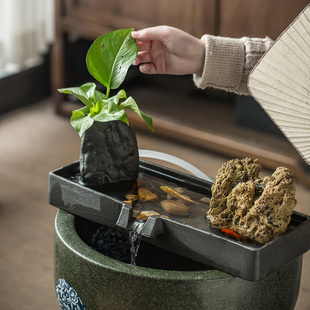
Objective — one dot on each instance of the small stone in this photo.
(205, 199)
(180, 190)
(144, 215)
(131, 197)
(175, 194)
(146, 195)
(175, 207)
(128, 202)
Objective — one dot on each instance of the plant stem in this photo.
(107, 93)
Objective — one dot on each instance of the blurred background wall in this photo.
(34, 28)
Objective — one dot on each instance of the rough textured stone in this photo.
(109, 155)
(229, 175)
(258, 209)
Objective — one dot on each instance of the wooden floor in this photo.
(35, 141)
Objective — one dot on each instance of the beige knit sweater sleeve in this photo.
(228, 62)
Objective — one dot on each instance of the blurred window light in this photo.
(27, 32)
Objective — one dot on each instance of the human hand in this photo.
(168, 50)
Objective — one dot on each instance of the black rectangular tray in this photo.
(209, 246)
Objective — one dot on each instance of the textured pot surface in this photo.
(109, 155)
(87, 279)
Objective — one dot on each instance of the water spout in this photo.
(137, 229)
(137, 226)
(150, 229)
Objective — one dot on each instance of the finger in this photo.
(144, 45)
(148, 68)
(145, 57)
(142, 57)
(137, 61)
(150, 34)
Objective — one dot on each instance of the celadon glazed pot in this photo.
(87, 279)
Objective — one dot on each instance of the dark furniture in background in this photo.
(90, 18)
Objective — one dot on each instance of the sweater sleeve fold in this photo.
(229, 61)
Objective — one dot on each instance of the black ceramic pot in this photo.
(109, 156)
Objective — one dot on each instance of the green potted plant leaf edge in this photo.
(108, 60)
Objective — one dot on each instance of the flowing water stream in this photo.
(134, 244)
(117, 245)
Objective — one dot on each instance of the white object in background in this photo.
(27, 30)
(176, 161)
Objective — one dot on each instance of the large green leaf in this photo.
(110, 56)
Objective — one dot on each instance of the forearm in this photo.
(228, 62)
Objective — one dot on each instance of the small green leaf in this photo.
(84, 110)
(80, 120)
(85, 93)
(148, 120)
(98, 96)
(110, 56)
(108, 111)
(89, 90)
(131, 104)
(94, 110)
(120, 95)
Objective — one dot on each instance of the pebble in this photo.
(146, 195)
(175, 207)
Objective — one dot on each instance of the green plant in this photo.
(108, 60)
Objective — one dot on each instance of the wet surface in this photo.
(198, 208)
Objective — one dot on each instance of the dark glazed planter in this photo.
(109, 156)
(86, 279)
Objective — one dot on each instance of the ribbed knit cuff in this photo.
(254, 49)
(224, 61)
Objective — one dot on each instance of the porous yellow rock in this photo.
(257, 208)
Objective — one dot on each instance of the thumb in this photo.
(150, 34)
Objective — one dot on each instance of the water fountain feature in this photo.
(178, 266)
(183, 263)
(249, 261)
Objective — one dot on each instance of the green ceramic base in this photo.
(87, 279)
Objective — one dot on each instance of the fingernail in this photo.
(144, 68)
(135, 34)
